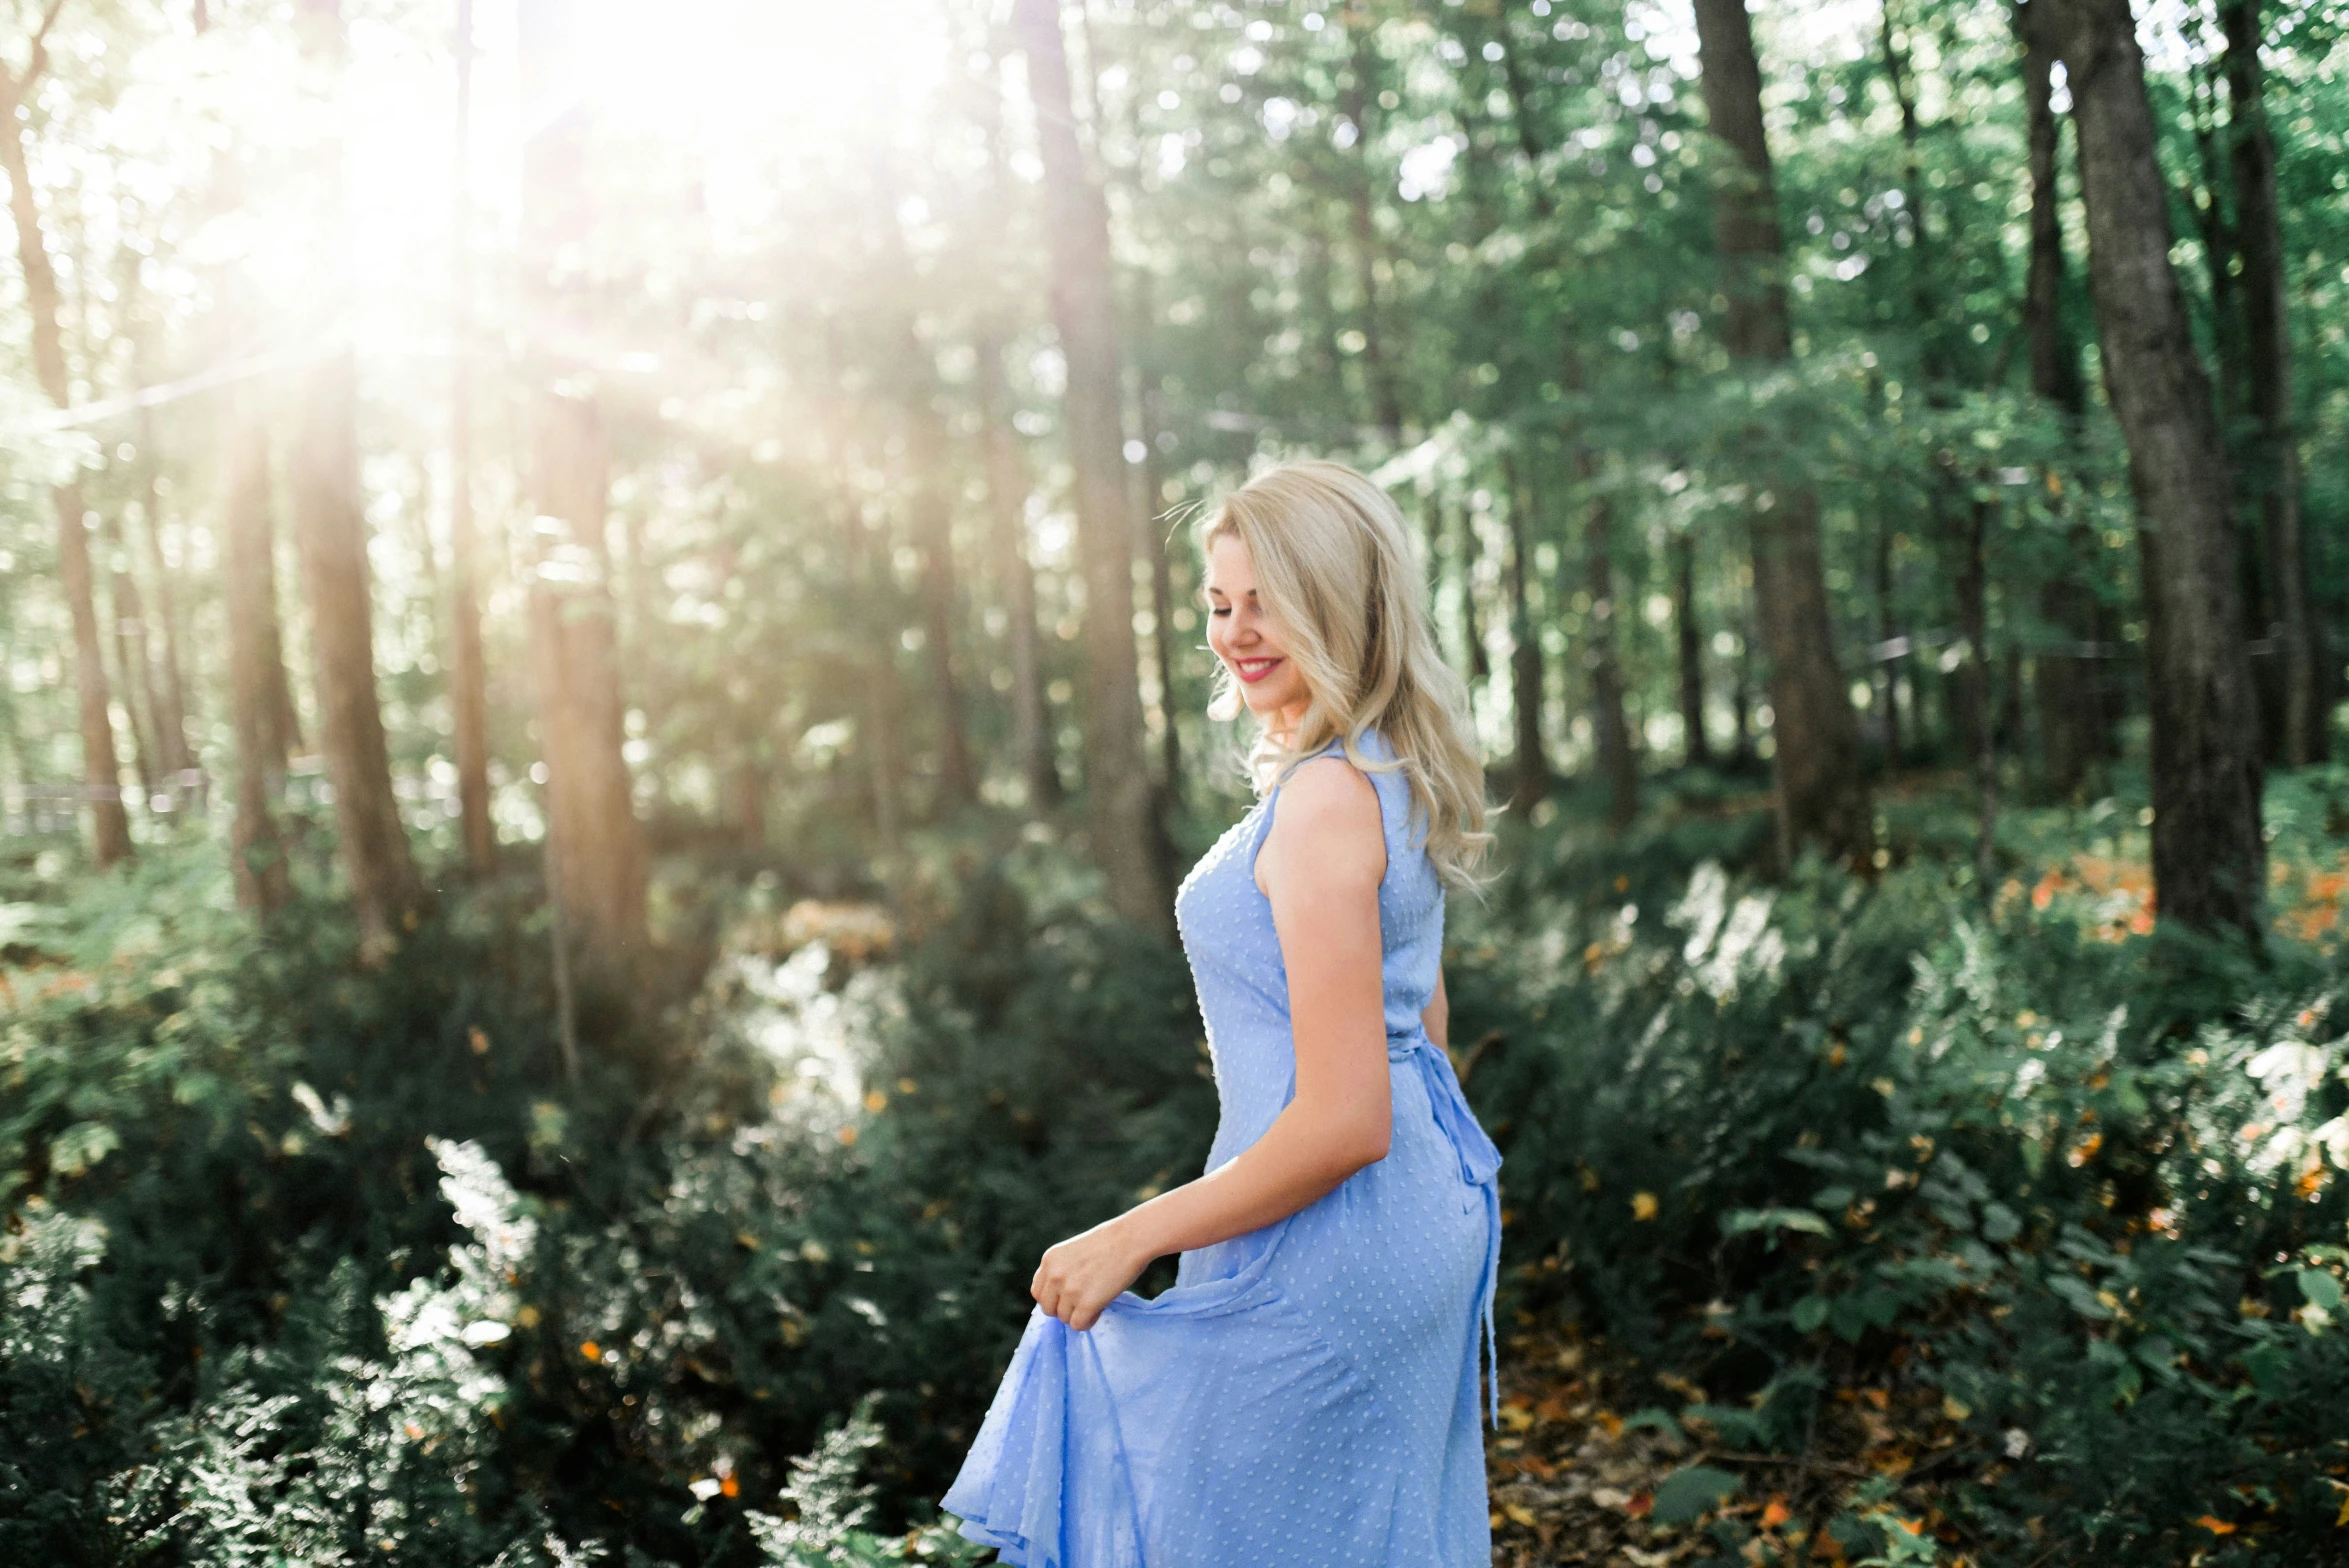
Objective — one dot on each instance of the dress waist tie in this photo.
(1480, 1165)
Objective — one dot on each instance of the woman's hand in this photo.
(1083, 1274)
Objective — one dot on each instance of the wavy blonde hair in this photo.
(1336, 574)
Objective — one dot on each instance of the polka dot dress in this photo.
(1306, 1395)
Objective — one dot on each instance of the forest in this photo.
(605, 695)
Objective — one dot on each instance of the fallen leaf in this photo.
(1777, 1513)
(1643, 1205)
(2215, 1526)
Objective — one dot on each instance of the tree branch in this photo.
(37, 61)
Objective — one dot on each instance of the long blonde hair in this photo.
(1335, 572)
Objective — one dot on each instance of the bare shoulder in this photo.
(1326, 829)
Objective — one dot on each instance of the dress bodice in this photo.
(1227, 932)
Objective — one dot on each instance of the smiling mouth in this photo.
(1253, 670)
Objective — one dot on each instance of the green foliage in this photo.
(301, 1259)
(2080, 1193)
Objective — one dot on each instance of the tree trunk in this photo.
(256, 669)
(932, 519)
(468, 669)
(101, 772)
(1821, 797)
(1888, 658)
(1618, 765)
(2075, 721)
(169, 685)
(1154, 553)
(2273, 469)
(330, 531)
(1478, 663)
(2208, 855)
(1084, 308)
(1007, 490)
(1972, 584)
(595, 847)
(1354, 102)
(1698, 752)
(1526, 674)
(130, 659)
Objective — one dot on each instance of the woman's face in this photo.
(1244, 637)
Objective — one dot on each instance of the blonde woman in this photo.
(1305, 1396)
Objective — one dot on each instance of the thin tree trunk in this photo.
(330, 529)
(1972, 584)
(1618, 765)
(172, 715)
(330, 535)
(101, 772)
(874, 587)
(2075, 722)
(932, 518)
(2274, 466)
(1479, 660)
(595, 844)
(130, 658)
(1354, 102)
(1690, 637)
(256, 671)
(468, 668)
(1888, 664)
(1007, 488)
(1084, 303)
(2208, 855)
(1821, 797)
(1526, 674)
(1154, 552)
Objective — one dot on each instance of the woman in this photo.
(1306, 1393)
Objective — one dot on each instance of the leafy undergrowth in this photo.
(1900, 1220)
(1581, 1474)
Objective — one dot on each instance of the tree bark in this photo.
(1697, 747)
(1007, 489)
(169, 684)
(2075, 718)
(468, 669)
(595, 846)
(1618, 765)
(1815, 759)
(256, 669)
(330, 537)
(1151, 516)
(1526, 673)
(129, 618)
(2273, 468)
(2209, 858)
(1355, 98)
(1084, 308)
(932, 519)
(330, 532)
(101, 771)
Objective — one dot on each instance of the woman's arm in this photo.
(1321, 865)
(1438, 1016)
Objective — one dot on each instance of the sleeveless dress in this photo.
(1305, 1395)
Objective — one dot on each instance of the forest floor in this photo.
(1574, 1479)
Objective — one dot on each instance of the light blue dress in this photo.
(1305, 1396)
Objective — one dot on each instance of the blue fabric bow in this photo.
(1480, 1166)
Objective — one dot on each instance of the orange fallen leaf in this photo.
(1640, 1505)
(2215, 1526)
(591, 1350)
(1777, 1513)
